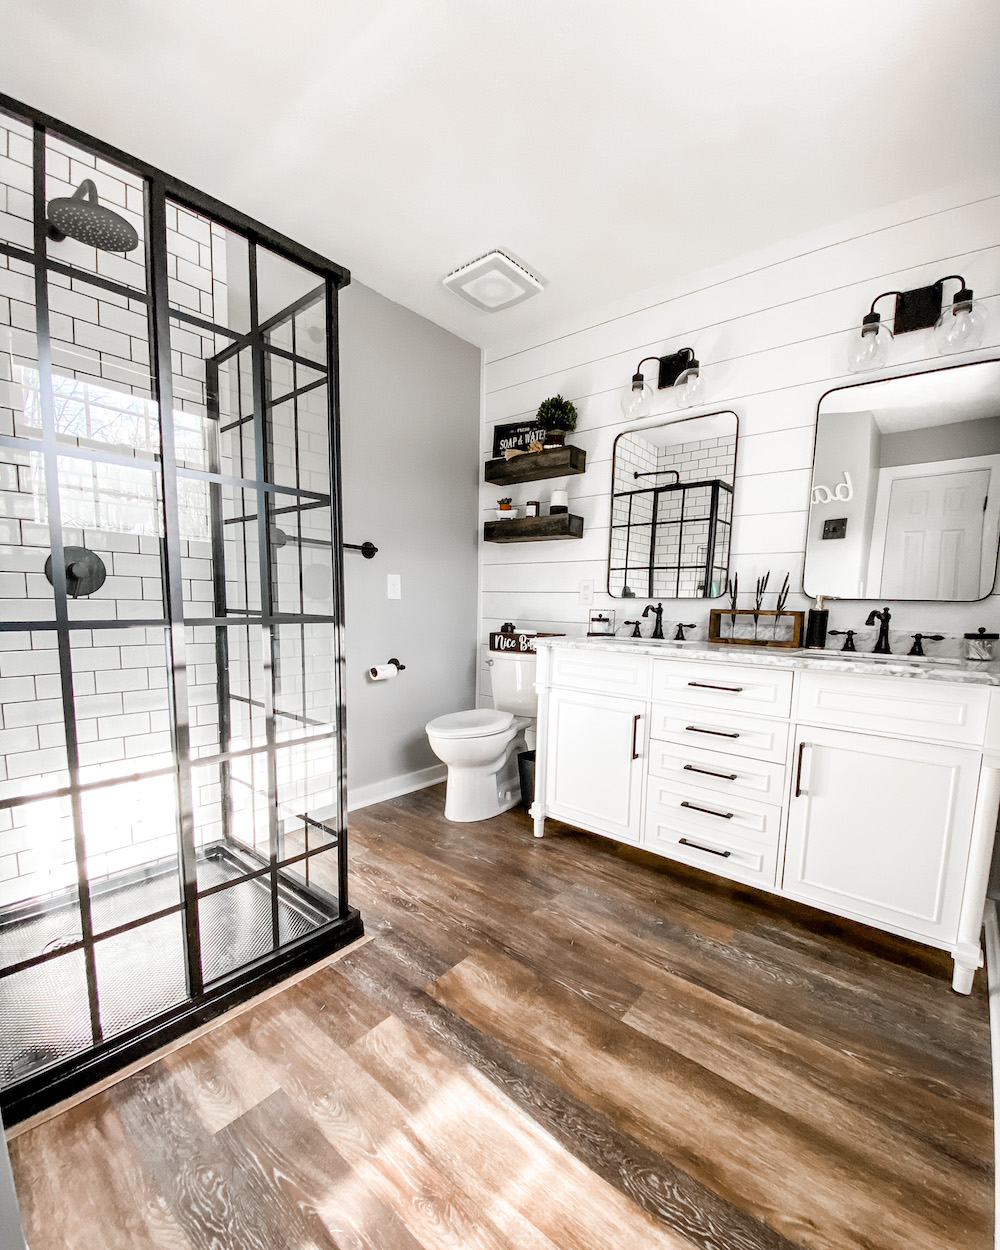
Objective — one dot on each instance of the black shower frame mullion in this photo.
(50, 452)
(63, 1078)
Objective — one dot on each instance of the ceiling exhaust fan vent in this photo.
(493, 282)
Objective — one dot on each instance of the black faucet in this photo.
(679, 636)
(882, 646)
(658, 627)
(635, 629)
(847, 635)
(918, 642)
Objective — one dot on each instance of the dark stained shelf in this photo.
(533, 466)
(529, 529)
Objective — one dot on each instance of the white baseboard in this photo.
(993, 977)
(393, 787)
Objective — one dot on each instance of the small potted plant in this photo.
(557, 417)
(504, 510)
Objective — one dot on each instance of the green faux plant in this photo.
(504, 503)
(556, 413)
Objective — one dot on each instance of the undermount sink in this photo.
(854, 657)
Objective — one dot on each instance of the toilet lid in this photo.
(474, 724)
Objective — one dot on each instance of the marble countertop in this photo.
(967, 672)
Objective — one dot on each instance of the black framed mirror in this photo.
(905, 501)
(672, 509)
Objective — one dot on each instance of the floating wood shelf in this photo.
(530, 529)
(533, 466)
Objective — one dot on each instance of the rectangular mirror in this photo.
(906, 488)
(672, 509)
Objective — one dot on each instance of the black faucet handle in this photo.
(845, 633)
(679, 636)
(635, 629)
(918, 642)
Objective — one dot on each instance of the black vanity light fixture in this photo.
(680, 370)
(958, 327)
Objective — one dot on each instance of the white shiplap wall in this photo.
(771, 332)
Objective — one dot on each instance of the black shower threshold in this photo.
(322, 933)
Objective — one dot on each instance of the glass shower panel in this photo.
(130, 836)
(140, 973)
(16, 200)
(169, 700)
(33, 758)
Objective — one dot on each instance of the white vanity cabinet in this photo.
(595, 754)
(869, 795)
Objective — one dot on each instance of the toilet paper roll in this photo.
(383, 672)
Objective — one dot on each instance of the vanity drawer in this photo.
(732, 687)
(738, 777)
(605, 672)
(732, 733)
(910, 707)
(737, 840)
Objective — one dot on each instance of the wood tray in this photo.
(717, 615)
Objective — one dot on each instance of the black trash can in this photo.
(526, 771)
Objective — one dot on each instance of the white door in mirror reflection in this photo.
(934, 536)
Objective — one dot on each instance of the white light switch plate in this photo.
(587, 592)
(393, 586)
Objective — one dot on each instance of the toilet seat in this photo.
(476, 723)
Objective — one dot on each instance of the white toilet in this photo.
(480, 747)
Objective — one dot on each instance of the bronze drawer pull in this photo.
(704, 685)
(690, 768)
(707, 810)
(635, 735)
(711, 849)
(718, 733)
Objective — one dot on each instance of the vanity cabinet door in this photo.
(880, 828)
(595, 747)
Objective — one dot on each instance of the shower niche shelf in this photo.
(533, 466)
(530, 529)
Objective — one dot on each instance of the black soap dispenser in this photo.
(816, 625)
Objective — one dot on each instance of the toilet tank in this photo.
(512, 678)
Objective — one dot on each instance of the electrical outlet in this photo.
(586, 593)
(393, 586)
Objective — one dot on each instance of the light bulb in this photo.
(689, 388)
(962, 325)
(636, 398)
(870, 348)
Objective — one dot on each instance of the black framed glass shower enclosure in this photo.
(172, 791)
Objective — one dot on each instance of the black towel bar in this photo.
(368, 550)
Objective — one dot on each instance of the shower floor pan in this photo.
(44, 1010)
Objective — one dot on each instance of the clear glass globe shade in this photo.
(635, 403)
(963, 330)
(869, 351)
(689, 389)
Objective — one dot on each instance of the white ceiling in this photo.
(609, 145)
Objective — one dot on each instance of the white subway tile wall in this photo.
(771, 331)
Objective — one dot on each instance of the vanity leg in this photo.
(962, 980)
(539, 821)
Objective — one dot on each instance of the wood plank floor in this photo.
(558, 1043)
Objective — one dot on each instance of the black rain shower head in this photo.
(79, 216)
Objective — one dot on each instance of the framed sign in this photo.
(516, 434)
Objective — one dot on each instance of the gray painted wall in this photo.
(11, 1237)
(941, 442)
(410, 403)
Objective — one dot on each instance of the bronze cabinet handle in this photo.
(798, 772)
(692, 768)
(717, 733)
(711, 849)
(707, 810)
(704, 685)
(635, 734)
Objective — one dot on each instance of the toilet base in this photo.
(480, 792)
